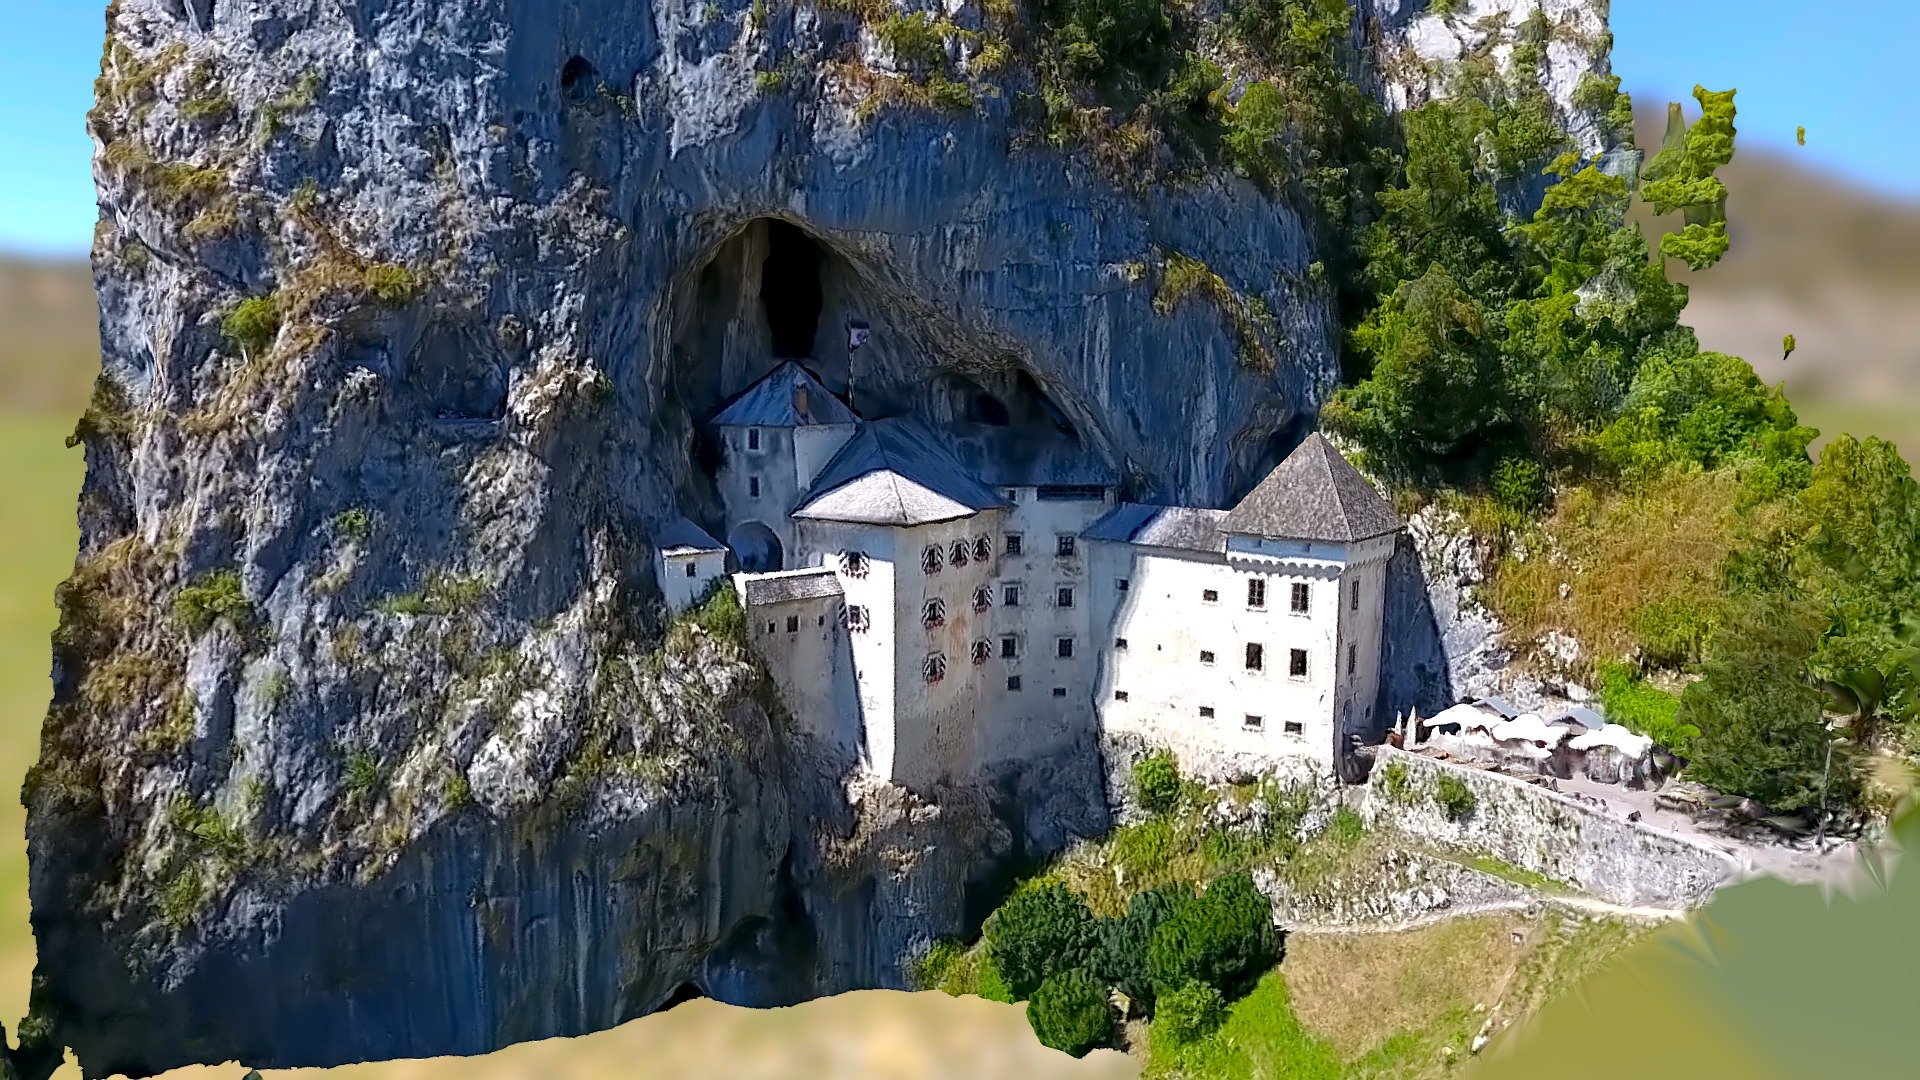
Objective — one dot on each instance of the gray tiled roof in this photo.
(681, 537)
(787, 396)
(1313, 495)
(812, 583)
(1182, 528)
(894, 472)
(1024, 457)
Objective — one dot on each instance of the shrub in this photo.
(914, 40)
(1069, 1012)
(353, 523)
(1041, 930)
(1224, 939)
(390, 284)
(1187, 1014)
(1123, 942)
(1519, 488)
(949, 94)
(215, 596)
(1156, 782)
(455, 792)
(362, 774)
(1397, 784)
(1102, 37)
(1346, 827)
(252, 324)
(1456, 799)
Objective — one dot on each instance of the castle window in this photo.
(1059, 691)
(931, 560)
(1119, 695)
(753, 438)
(1009, 647)
(958, 556)
(856, 617)
(1301, 598)
(1063, 546)
(982, 598)
(1011, 543)
(1010, 596)
(854, 563)
(982, 548)
(753, 486)
(1063, 648)
(771, 627)
(982, 652)
(1120, 644)
(793, 624)
(1257, 593)
(934, 613)
(692, 570)
(1209, 596)
(1256, 656)
(1013, 683)
(1206, 656)
(1120, 585)
(1293, 727)
(1206, 712)
(1253, 723)
(934, 668)
(1353, 658)
(1063, 596)
(1297, 663)
(1353, 602)
(820, 620)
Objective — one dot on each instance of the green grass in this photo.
(1261, 1037)
(37, 490)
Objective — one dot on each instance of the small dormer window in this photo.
(934, 613)
(934, 668)
(854, 563)
(982, 598)
(931, 560)
(958, 556)
(983, 548)
(753, 438)
(982, 652)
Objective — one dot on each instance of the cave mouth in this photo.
(790, 290)
(682, 994)
(576, 79)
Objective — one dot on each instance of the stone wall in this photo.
(1544, 832)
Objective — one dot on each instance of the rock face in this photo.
(371, 736)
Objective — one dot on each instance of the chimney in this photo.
(800, 404)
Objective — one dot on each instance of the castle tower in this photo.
(775, 437)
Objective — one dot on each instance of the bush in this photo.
(1156, 782)
(1123, 942)
(1224, 939)
(252, 324)
(1519, 488)
(1397, 784)
(1069, 1012)
(391, 285)
(215, 596)
(1347, 828)
(1041, 930)
(1456, 799)
(1187, 1014)
(1102, 37)
(1633, 703)
(914, 40)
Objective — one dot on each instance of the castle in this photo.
(932, 608)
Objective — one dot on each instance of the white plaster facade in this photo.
(687, 562)
(931, 627)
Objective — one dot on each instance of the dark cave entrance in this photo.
(681, 995)
(790, 290)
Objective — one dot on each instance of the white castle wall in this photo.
(937, 724)
(682, 588)
(872, 650)
(807, 652)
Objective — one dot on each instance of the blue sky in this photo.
(1840, 68)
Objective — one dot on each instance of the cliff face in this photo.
(409, 310)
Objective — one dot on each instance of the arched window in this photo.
(983, 548)
(931, 560)
(934, 668)
(854, 563)
(981, 652)
(934, 613)
(982, 598)
(958, 556)
(856, 617)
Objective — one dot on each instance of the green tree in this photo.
(1069, 1012)
(1041, 930)
(1681, 177)
(1124, 941)
(1187, 1014)
(1761, 729)
(1100, 38)
(1224, 939)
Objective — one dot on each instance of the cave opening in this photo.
(682, 994)
(1040, 403)
(790, 290)
(576, 78)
